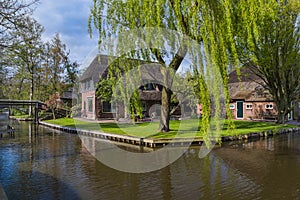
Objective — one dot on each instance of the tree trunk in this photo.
(31, 96)
(282, 111)
(21, 86)
(53, 113)
(281, 118)
(165, 110)
(296, 111)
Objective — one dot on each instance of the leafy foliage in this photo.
(25, 54)
(34, 69)
(206, 23)
(12, 15)
(54, 102)
(57, 68)
(76, 110)
(272, 51)
(25, 67)
(105, 89)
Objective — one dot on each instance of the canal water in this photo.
(39, 163)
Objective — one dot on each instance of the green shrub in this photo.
(76, 110)
(19, 112)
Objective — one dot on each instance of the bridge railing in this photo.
(11, 102)
(20, 102)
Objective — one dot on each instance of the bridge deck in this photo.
(10, 102)
(37, 104)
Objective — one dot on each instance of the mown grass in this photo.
(182, 129)
(22, 116)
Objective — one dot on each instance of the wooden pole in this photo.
(36, 113)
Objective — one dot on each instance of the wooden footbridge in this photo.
(5, 103)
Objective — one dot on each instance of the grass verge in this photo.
(22, 116)
(181, 129)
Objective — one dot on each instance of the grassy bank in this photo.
(184, 129)
(22, 116)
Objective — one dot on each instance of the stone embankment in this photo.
(149, 142)
(263, 134)
(20, 119)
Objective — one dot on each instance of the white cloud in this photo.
(69, 19)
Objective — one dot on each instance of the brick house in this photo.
(94, 108)
(88, 81)
(250, 100)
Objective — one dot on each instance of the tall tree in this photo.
(12, 13)
(36, 69)
(26, 51)
(54, 102)
(2, 78)
(71, 70)
(273, 52)
(208, 23)
(57, 66)
(134, 14)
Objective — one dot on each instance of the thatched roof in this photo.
(151, 71)
(97, 69)
(247, 87)
(150, 95)
(246, 75)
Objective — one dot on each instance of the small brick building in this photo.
(250, 100)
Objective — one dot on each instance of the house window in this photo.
(90, 104)
(82, 87)
(148, 86)
(248, 106)
(91, 85)
(269, 106)
(232, 106)
(88, 85)
(107, 107)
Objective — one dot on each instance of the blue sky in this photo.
(69, 19)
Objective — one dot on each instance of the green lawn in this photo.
(22, 116)
(182, 129)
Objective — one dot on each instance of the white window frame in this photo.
(90, 100)
(269, 106)
(88, 87)
(250, 106)
(231, 106)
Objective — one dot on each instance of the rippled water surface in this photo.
(39, 163)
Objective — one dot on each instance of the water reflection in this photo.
(40, 163)
(271, 163)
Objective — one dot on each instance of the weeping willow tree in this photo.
(205, 22)
(270, 48)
